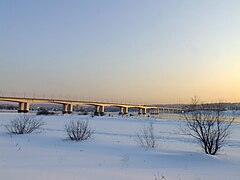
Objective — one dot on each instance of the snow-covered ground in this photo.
(112, 153)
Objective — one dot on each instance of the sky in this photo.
(133, 51)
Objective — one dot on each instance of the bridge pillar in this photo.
(121, 110)
(23, 107)
(102, 110)
(65, 108)
(144, 110)
(97, 110)
(26, 107)
(70, 108)
(140, 111)
(125, 110)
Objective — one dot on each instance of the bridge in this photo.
(24, 104)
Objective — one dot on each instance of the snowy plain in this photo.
(112, 153)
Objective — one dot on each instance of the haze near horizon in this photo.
(132, 51)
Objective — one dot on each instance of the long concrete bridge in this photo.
(24, 104)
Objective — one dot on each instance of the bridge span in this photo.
(24, 105)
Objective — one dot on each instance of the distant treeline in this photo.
(215, 106)
(223, 106)
(8, 107)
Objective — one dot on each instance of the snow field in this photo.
(112, 153)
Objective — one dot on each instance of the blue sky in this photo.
(134, 51)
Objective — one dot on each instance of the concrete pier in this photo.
(65, 108)
(125, 110)
(97, 110)
(70, 108)
(102, 110)
(23, 107)
(144, 111)
(121, 110)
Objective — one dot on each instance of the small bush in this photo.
(78, 130)
(147, 137)
(24, 124)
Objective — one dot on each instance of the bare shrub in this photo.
(159, 177)
(78, 130)
(208, 125)
(147, 138)
(24, 124)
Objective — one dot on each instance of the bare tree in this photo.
(146, 137)
(24, 124)
(78, 130)
(208, 125)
